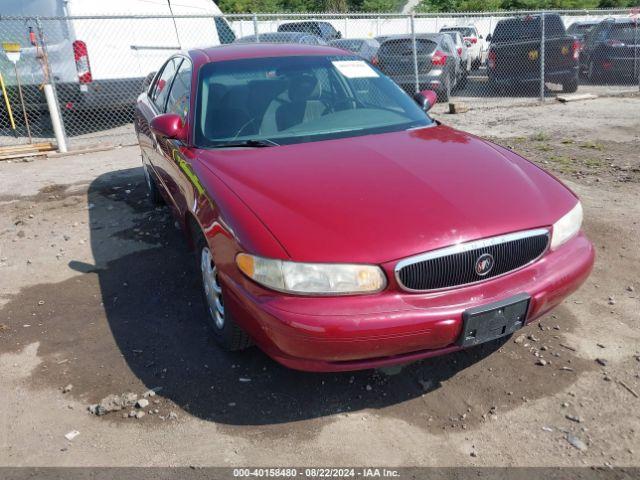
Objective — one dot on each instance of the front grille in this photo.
(457, 265)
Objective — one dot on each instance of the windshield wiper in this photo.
(252, 143)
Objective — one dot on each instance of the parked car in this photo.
(475, 43)
(463, 55)
(363, 47)
(438, 64)
(611, 51)
(581, 29)
(514, 54)
(335, 224)
(283, 37)
(322, 29)
(92, 66)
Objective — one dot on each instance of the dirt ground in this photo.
(98, 291)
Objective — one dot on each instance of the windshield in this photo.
(298, 99)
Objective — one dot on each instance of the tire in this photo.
(463, 80)
(570, 86)
(592, 74)
(152, 186)
(227, 334)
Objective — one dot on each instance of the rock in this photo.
(565, 404)
(132, 413)
(72, 434)
(67, 388)
(542, 362)
(113, 403)
(244, 379)
(149, 393)
(576, 442)
(173, 416)
(600, 345)
(533, 338)
(142, 403)
(573, 418)
(520, 339)
(601, 361)
(97, 409)
(630, 288)
(612, 301)
(547, 429)
(368, 388)
(139, 414)
(473, 453)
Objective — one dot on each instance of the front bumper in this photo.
(370, 331)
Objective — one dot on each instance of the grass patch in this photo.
(545, 147)
(540, 137)
(563, 163)
(592, 145)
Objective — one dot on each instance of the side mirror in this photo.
(489, 37)
(169, 125)
(426, 99)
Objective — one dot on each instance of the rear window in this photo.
(527, 28)
(626, 33)
(580, 28)
(405, 46)
(464, 31)
(303, 27)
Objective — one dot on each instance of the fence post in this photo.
(50, 95)
(415, 51)
(542, 54)
(255, 27)
(345, 34)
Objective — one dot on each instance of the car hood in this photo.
(377, 198)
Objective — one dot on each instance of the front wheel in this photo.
(228, 335)
(152, 186)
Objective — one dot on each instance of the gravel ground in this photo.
(98, 297)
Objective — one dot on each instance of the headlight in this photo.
(567, 227)
(312, 278)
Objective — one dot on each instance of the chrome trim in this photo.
(465, 247)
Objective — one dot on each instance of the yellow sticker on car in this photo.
(565, 50)
(533, 55)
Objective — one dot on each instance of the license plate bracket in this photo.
(489, 322)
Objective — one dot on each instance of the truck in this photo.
(515, 55)
(98, 53)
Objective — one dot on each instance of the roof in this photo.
(237, 51)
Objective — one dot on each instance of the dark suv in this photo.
(612, 50)
(323, 30)
(514, 55)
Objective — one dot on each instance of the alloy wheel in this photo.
(212, 288)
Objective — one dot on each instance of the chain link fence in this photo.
(76, 79)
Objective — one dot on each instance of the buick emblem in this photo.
(484, 264)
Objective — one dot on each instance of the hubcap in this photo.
(212, 289)
(147, 177)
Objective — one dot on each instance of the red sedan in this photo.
(339, 227)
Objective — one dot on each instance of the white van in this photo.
(102, 62)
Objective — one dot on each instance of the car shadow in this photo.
(155, 312)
